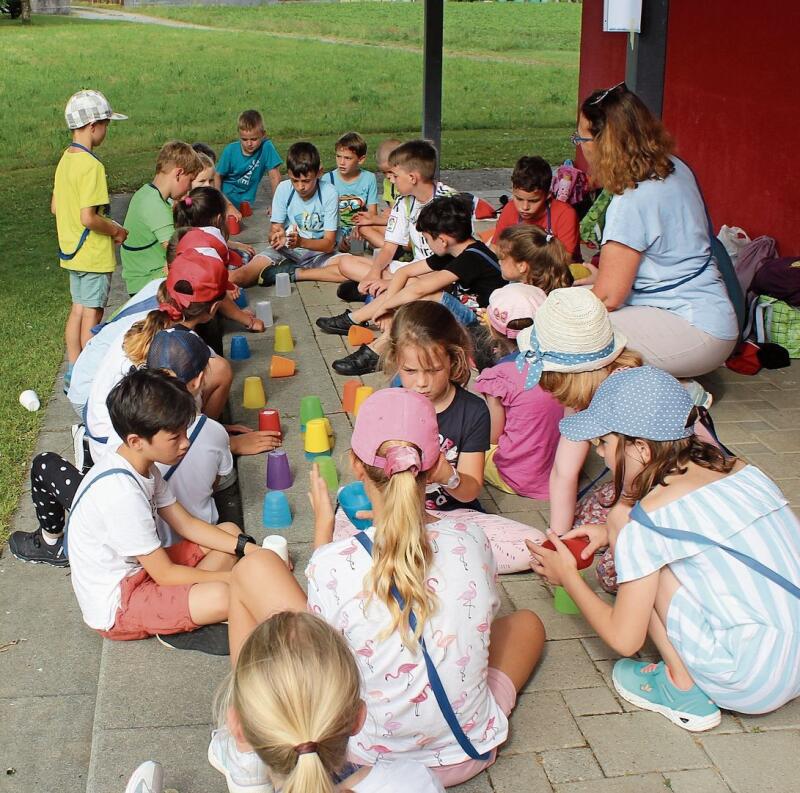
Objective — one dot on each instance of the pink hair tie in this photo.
(402, 458)
(187, 200)
(173, 312)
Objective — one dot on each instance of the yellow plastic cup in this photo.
(254, 396)
(362, 392)
(316, 441)
(283, 339)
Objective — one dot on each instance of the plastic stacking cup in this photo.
(276, 513)
(279, 474)
(283, 339)
(264, 312)
(328, 426)
(245, 209)
(579, 270)
(358, 335)
(281, 367)
(327, 470)
(254, 396)
(361, 394)
(310, 408)
(563, 603)
(368, 299)
(269, 419)
(316, 441)
(240, 349)
(349, 394)
(352, 499)
(277, 544)
(283, 285)
(233, 225)
(241, 301)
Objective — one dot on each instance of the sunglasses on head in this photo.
(605, 93)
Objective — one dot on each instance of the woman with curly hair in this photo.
(656, 272)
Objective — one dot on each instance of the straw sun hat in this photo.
(572, 332)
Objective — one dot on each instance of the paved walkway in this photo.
(79, 713)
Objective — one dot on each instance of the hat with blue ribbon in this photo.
(572, 332)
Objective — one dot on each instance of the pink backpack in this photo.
(569, 183)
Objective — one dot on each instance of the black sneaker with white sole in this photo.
(209, 639)
(267, 277)
(30, 546)
(348, 291)
(339, 324)
(362, 361)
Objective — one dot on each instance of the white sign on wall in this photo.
(622, 16)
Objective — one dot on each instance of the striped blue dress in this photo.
(737, 632)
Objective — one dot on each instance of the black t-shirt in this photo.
(464, 426)
(477, 270)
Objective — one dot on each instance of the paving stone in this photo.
(571, 765)
(635, 743)
(787, 717)
(564, 666)
(46, 740)
(598, 650)
(645, 783)
(539, 599)
(478, 784)
(780, 398)
(541, 721)
(781, 440)
(778, 466)
(591, 701)
(725, 410)
(514, 773)
(705, 780)
(765, 762)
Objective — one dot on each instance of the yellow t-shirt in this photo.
(80, 182)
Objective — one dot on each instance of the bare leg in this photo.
(251, 602)
(89, 318)
(217, 386)
(373, 235)
(668, 585)
(72, 333)
(329, 273)
(208, 602)
(355, 268)
(219, 560)
(516, 645)
(247, 274)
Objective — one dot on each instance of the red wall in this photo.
(731, 101)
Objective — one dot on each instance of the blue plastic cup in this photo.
(241, 301)
(368, 299)
(240, 349)
(353, 498)
(276, 513)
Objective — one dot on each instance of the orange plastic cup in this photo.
(358, 335)
(245, 209)
(281, 367)
(349, 395)
(233, 225)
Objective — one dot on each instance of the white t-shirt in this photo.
(401, 228)
(403, 717)
(208, 457)
(107, 530)
(399, 776)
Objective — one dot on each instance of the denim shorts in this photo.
(89, 289)
(466, 316)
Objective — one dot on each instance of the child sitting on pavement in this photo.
(86, 236)
(243, 163)
(149, 217)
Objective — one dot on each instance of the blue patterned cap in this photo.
(643, 402)
(180, 351)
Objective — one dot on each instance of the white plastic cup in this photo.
(277, 544)
(29, 400)
(264, 312)
(283, 285)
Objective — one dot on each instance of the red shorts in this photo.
(146, 608)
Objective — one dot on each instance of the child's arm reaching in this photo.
(274, 179)
(198, 531)
(323, 509)
(570, 457)
(166, 573)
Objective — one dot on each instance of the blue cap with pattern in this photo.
(643, 402)
(179, 350)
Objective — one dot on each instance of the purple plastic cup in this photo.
(279, 474)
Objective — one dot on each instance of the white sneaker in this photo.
(78, 433)
(243, 771)
(147, 778)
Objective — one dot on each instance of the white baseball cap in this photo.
(86, 107)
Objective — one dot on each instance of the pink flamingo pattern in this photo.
(463, 529)
(403, 669)
(459, 702)
(378, 696)
(444, 641)
(333, 586)
(463, 662)
(432, 585)
(378, 748)
(483, 629)
(391, 725)
(469, 725)
(433, 535)
(366, 652)
(420, 698)
(348, 551)
(460, 550)
(490, 728)
(423, 740)
(467, 596)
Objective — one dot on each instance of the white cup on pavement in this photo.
(277, 544)
(264, 312)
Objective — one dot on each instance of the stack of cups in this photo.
(310, 408)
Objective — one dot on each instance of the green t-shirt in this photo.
(149, 224)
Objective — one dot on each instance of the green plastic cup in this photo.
(310, 408)
(563, 603)
(327, 470)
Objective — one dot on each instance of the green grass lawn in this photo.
(191, 84)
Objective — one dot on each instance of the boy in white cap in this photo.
(86, 236)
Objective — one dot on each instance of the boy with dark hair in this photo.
(243, 163)
(461, 274)
(128, 586)
(532, 204)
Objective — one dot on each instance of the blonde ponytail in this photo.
(296, 682)
(139, 337)
(402, 551)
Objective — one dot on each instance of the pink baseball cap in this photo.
(395, 414)
(513, 301)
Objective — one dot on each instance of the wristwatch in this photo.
(454, 481)
(241, 541)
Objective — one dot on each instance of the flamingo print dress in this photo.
(403, 717)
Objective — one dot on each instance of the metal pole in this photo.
(432, 72)
(646, 60)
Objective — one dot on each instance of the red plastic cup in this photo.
(576, 547)
(245, 209)
(233, 225)
(269, 419)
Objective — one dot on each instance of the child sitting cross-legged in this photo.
(127, 584)
(706, 555)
